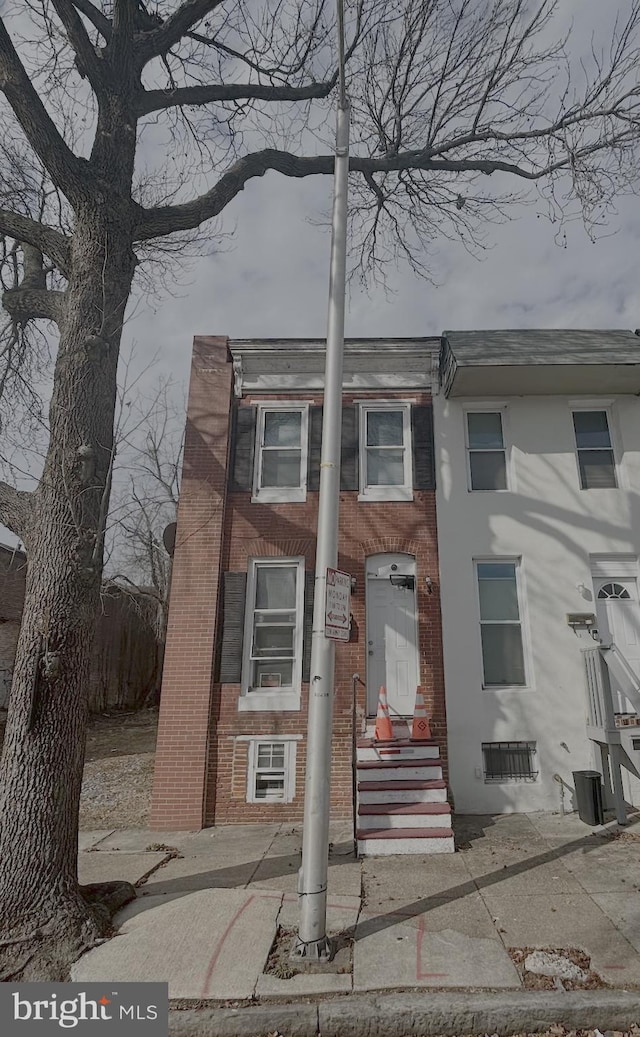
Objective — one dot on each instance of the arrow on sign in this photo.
(337, 615)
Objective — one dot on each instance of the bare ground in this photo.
(118, 773)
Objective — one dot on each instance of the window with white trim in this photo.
(485, 450)
(596, 463)
(280, 465)
(271, 773)
(509, 761)
(273, 629)
(385, 451)
(500, 624)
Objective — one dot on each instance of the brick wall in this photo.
(281, 530)
(201, 763)
(183, 732)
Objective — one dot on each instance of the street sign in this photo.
(337, 613)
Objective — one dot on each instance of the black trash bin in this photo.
(588, 785)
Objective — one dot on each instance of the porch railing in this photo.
(601, 663)
(619, 667)
(355, 681)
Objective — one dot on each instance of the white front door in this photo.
(392, 652)
(619, 622)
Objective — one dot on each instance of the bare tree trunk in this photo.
(42, 760)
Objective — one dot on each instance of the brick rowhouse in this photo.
(203, 738)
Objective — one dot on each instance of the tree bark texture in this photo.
(45, 921)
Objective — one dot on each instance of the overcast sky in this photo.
(272, 279)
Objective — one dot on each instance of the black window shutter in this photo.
(424, 477)
(349, 461)
(233, 605)
(315, 444)
(243, 436)
(307, 624)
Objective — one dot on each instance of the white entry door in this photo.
(619, 621)
(392, 642)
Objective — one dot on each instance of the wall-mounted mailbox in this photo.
(576, 620)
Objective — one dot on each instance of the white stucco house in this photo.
(537, 441)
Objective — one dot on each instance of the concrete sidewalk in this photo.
(205, 921)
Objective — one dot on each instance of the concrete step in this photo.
(378, 843)
(400, 770)
(398, 750)
(403, 815)
(370, 792)
(401, 728)
(363, 742)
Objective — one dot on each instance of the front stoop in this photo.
(402, 798)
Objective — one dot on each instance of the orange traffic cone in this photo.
(384, 730)
(420, 727)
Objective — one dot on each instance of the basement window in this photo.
(271, 774)
(509, 761)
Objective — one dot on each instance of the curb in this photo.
(416, 1015)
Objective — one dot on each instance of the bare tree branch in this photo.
(68, 172)
(96, 17)
(48, 240)
(155, 100)
(160, 40)
(171, 218)
(87, 61)
(25, 304)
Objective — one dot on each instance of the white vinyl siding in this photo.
(280, 465)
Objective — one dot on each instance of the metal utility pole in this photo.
(312, 943)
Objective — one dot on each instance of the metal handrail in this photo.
(600, 662)
(355, 680)
(618, 664)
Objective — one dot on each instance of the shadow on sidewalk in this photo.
(244, 875)
(474, 885)
(239, 875)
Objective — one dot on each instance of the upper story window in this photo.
(385, 451)
(596, 462)
(500, 624)
(485, 448)
(273, 630)
(280, 463)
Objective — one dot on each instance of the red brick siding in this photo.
(246, 530)
(183, 731)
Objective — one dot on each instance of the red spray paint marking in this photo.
(216, 955)
(419, 973)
